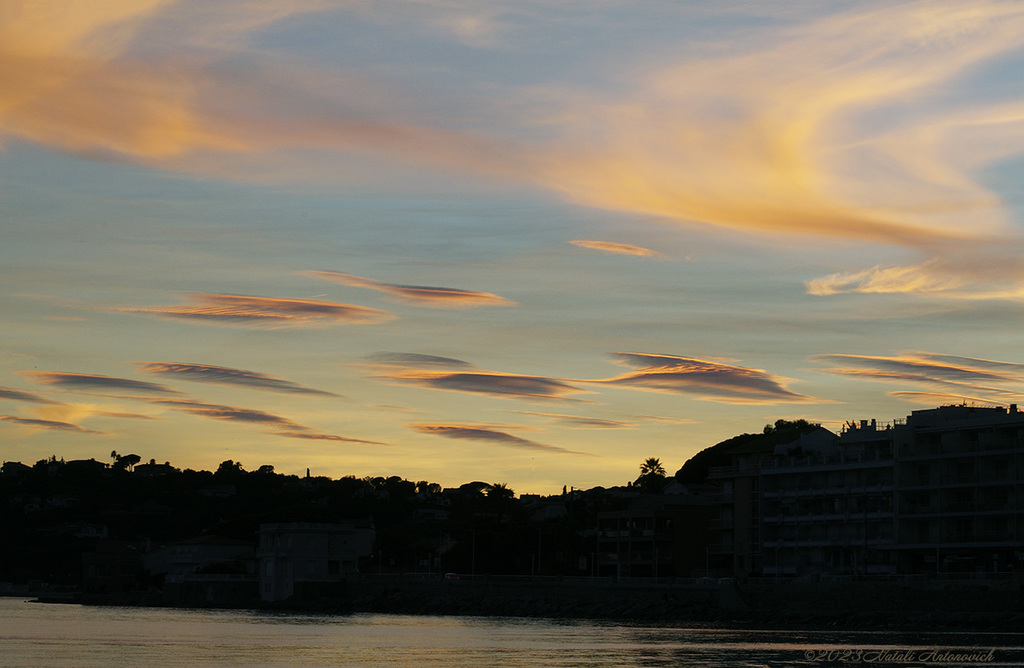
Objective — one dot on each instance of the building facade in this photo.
(941, 491)
(298, 558)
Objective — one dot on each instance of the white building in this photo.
(299, 558)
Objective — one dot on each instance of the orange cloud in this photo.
(835, 127)
(443, 373)
(926, 367)
(230, 413)
(583, 422)
(939, 398)
(978, 271)
(476, 433)
(495, 384)
(50, 425)
(278, 425)
(264, 311)
(418, 294)
(615, 248)
(87, 382)
(987, 381)
(11, 394)
(204, 373)
(777, 139)
(309, 436)
(708, 380)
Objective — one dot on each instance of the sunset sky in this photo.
(530, 242)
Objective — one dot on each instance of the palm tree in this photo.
(652, 476)
(500, 491)
(652, 466)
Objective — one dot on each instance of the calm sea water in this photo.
(34, 635)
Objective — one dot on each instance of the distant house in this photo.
(153, 470)
(15, 468)
(302, 559)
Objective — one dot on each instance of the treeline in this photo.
(54, 511)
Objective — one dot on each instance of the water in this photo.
(33, 635)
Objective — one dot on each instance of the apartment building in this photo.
(941, 491)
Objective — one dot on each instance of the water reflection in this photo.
(68, 635)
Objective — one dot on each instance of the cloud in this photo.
(204, 373)
(845, 125)
(582, 422)
(931, 399)
(185, 86)
(665, 420)
(790, 134)
(231, 414)
(615, 248)
(418, 294)
(917, 279)
(474, 433)
(325, 437)
(712, 381)
(87, 382)
(264, 311)
(10, 394)
(494, 384)
(925, 367)
(51, 425)
(433, 372)
(996, 273)
(123, 416)
(418, 360)
(960, 379)
(279, 426)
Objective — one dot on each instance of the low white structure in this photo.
(293, 556)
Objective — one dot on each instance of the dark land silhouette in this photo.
(918, 522)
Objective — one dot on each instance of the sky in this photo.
(528, 242)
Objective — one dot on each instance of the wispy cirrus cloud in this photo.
(417, 294)
(432, 372)
(418, 360)
(89, 382)
(763, 139)
(981, 271)
(219, 375)
(972, 379)
(581, 421)
(263, 311)
(931, 399)
(123, 416)
(705, 379)
(495, 384)
(275, 424)
(615, 248)
(231, 413)
(663, 419)
(49, 425)
(924, 367)
(311, 436)
(483, 433)
(11, 394)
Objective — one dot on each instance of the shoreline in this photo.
(853, 606)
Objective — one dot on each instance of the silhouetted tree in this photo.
(125, 462)
(229, 467)
(652, 475)
(652, 465)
